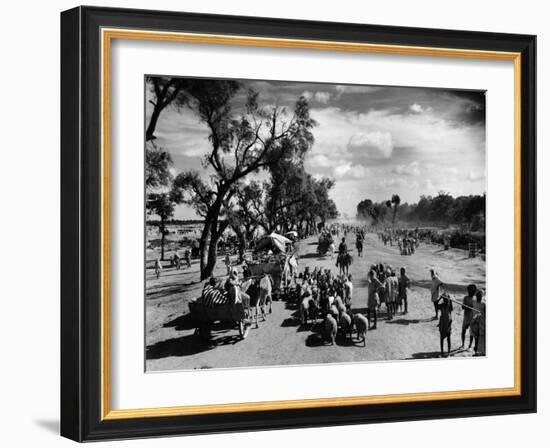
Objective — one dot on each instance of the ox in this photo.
(260, 291)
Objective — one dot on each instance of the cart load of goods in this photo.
(325, 240)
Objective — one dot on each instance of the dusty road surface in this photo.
(283, 340)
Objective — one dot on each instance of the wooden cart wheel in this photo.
(244, 328)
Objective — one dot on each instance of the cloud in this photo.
(474, 177)
(376, 144)
(347, 170)
(416, 108)
(337, 168)
(408, 170)
(394, 185)
(320, 161)
(451, 170)
(322, 97)
(427, 184)
(375, 141)
(343, 89)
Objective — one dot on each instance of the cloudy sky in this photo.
(375, 141)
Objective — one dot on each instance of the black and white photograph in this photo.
(293, 223)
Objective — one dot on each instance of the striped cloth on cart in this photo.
(212, 297)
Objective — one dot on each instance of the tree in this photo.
(161, 197)
(285, 193)
(321, 205)
(246, 214)
(157, 167)
(381, 210)
(166, 91)
(468, 211)
(395, 200)
(367, 210)
(241, 144)
(163, 205)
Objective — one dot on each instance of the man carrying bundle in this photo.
(373, 302)
(477, 327)
(403, 284)
(390, 292)
(359, 244)
(467, 307)
(445, 321)
(187, 257)
(435, 289)
(342, 249)
(158, 267)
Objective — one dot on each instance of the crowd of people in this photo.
(331, 296)
(473, 315)
(407, 240)
(321, 293)
(385, 288)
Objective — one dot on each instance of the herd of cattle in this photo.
(322, 295)
(317, 296)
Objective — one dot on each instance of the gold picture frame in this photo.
(106, 33)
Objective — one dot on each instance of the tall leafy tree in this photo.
(158, 163)
(442, 209)
(165, 92)
(395, 201)
(247, 213)
(241, 143)
(163, 205)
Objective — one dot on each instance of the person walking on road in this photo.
(435, 291)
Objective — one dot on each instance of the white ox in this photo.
(260, 291)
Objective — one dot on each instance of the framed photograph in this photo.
(277, 224)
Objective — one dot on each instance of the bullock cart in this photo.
(236, 315)
(324, 244)
(281, 268)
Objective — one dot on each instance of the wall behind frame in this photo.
(30, 218)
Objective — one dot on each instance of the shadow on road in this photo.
(317, 337)
(184, 322)
(291, 322)
(291, 306)
(182, 346)
(404, 321)
(426, 355)
(434, 354)
(450, 287)
(188, 345)
(168, 290)
(310, 255)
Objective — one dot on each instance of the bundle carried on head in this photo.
(213, 297)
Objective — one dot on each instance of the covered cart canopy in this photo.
(293, 235)
(277, 243)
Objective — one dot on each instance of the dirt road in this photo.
(282, 340)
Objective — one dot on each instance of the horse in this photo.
(344, 262)
(359, 246)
